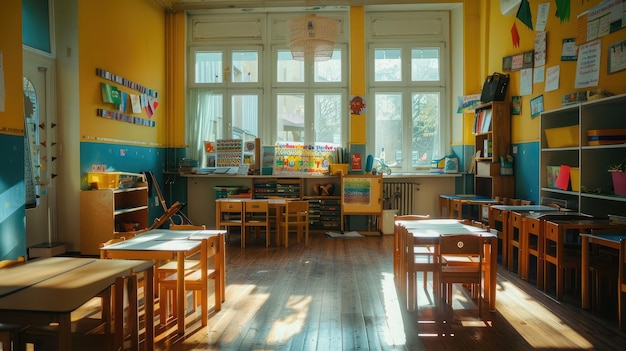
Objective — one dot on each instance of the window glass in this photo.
(245, 116)
(245, 67)
(290, 117)
(288, 69)
(328, 118)
(388, 65)
(389, 126)
(329, 71)
(425, 64)
(425, 132)
(208, 67)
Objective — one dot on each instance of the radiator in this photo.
(400, 196)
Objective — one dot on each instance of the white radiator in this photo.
(400, 196)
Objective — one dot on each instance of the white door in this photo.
(40, 149)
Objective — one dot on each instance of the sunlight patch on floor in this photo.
(289, 325)
(545, 316)
(394, 334)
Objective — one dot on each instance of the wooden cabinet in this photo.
(569, 143)
(492, 140)
(107, 212)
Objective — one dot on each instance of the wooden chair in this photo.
(296, 215)
(498, 221)
(256, 214)
(196, 280)
(187, 227)
(461, 258)
(514, 245)
(171, 267)
(532, 245)
(229, 214)
(413, 259)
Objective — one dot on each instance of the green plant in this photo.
(620, 167)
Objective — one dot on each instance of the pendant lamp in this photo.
(312, 38)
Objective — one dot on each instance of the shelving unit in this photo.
(104, 213)
(492, 127)
(262, 188)
(595, 196)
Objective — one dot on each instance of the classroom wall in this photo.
(12, 195)
(525, 129)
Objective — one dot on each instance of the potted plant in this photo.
(618, 172)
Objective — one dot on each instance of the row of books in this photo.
(482, 121)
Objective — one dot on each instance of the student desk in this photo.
(47, 290)
(428, 232)
(157, 247)
(499, 220)
(606, 240)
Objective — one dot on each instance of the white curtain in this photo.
(204, 113)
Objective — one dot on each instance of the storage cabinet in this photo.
(492, 140)
(106, 213)
(591, 191)
(285, 187)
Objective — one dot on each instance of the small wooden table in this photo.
(428, 232)
(49, 289)
(152, 248)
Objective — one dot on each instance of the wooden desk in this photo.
(607, 240)
(499, 220)
(428, 232)
(555, 231)
(44, 296)
(168, 234)
(148, 248)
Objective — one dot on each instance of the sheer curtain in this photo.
(204, 115)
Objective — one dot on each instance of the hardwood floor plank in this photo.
(339, 294)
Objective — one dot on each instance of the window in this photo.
(408, 110)
(408, 90)
(309, 103)
(225, 97)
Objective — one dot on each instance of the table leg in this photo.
(584, 272)
(493, 268)
(180, 292)
(149, 307)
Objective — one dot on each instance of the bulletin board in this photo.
(361, 194)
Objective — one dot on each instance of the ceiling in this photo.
(275, 5)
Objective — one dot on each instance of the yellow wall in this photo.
(525, 129)
(133, 47)
(12, 118)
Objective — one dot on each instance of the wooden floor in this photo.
(339, 294)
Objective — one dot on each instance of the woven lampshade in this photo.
(312, 38)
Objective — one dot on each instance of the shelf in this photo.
(129, 210)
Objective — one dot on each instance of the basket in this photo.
(114, 180)
(222, 192)
(562, 136)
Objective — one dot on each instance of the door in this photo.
(39, 149)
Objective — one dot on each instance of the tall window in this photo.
(408, 90)
(225, 96)
(310, 98)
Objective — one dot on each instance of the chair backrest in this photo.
(11, 263)
(296, 211)
(256, 211)
(461, 245)
(187, 227)
(229, 212)
(411, 217)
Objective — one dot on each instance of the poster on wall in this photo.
(552, 78)
(569, 51)
(588, 65)
(540, 49)
(616, 57)
(536, 106)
